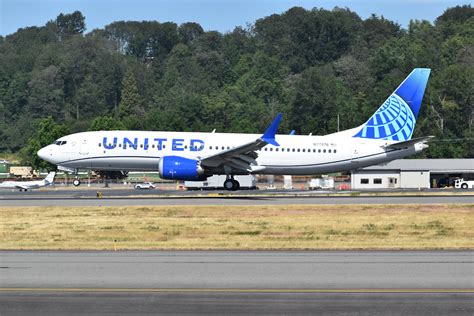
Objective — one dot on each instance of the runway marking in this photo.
(230, 290)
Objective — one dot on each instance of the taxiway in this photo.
(122, 197)
(237, 282)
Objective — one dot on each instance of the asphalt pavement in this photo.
(123, 197)
(237, 282)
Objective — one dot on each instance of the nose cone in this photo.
(45, 153)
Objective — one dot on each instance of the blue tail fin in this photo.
(396, 117)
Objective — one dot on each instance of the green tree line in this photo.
(316, 66)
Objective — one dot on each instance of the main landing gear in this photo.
(230, 184)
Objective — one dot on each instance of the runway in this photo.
(239, 282)
(150, 198)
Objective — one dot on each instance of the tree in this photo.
(130, 103)
(47, 132)
(106, 123)
(310, 64)
(70, 24)
(46, 92)
(318, 98)
(189, 32)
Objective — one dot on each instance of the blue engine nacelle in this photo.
(179, 168)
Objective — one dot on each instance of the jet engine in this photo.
(179, 168)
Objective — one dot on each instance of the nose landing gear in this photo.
(230, 184)
(76, 182)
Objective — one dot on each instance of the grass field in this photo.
(239, 227)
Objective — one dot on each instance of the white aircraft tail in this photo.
(50, 177)
(396, 117)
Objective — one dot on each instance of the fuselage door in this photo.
(83, 148)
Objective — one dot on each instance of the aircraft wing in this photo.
(244, 157)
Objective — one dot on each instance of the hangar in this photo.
(413, 173)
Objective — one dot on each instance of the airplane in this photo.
(28, 185)
(385, 136)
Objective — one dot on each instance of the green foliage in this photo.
(47, 131)
(70, 24)
(130, 105)
(312, 65)
(106, 123)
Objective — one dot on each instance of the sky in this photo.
(220, 15)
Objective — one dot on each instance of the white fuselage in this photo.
(295, 155)
(23, 184)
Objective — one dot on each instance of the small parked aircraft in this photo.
(28, 185)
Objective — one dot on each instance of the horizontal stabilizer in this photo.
(408, 143)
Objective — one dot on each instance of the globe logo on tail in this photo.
(394, 120)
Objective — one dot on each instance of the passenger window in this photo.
(319, 150)
(334, 151)
(364, 181)
(324, 150)
(100, 145)
(276, 149)
(304, 150)
(378, 181)
(298, 150)
(329, 150)
(153, 146)
(293, 150)
(120, 145)
(141, 145)
(271, 149)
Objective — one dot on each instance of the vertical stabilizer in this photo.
(396, 117)
(50, 177)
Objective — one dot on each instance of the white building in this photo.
(412, 173)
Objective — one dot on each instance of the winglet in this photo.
(269, 135)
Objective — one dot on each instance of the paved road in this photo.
(238, 269)
(179, 303)
(230, 200)
(242, 282)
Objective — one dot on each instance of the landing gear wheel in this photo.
(236, 185)
(76, 182)
(229, 184)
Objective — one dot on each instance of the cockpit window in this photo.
(60, 142)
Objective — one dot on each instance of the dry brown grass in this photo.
(239, 227)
